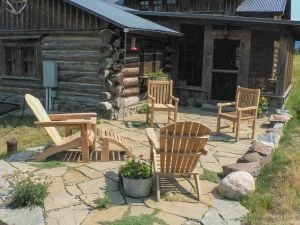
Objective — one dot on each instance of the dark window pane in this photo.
(11, 55)
(28, 56)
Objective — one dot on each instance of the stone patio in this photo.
(76, 185)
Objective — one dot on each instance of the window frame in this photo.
(20, 45)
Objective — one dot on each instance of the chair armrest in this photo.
(152, 138)
(64, 123)
(247, 108)
(68, 116)
(150, 96)
(174, 98)
(221, 105)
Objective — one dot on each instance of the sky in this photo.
(296, 10)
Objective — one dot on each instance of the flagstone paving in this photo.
(76, 185)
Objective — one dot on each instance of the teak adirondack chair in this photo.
(246, 108)
(160, 98)
(178, 150)
(85, 139)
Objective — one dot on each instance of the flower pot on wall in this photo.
(137, 188)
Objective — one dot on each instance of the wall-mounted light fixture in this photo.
(133, 47)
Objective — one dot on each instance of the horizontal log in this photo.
(130, 82)
(117, 77)
(80, 88)
(80, 77)
(79, 66)
(105, 96)
(77, 98)
(132, 59)
(131, 72)
(73, 55)
(70, 44)
(131, 91)
(133, 64)
(117, 90)
(121, 103)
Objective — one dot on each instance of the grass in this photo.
(210, 176)
(27, 134)
(277, 196)
(28, 194)
(144, 219)
(102, 203)
(48, 164)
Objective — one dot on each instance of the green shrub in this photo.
(29, 193)
(263, 105)
(143, 109)
(137, 168)
(158, 75)
(102, 203)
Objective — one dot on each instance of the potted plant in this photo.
(137, 176)
(263, 106)
(158, 75)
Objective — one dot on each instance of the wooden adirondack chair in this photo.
(160, 98)
(246, 108)
(85, 139)
(178, 150)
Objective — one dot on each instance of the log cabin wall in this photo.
(86, 49)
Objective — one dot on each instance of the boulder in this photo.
(253, 168)
(262, 149)
(236, 184)
(270, 138)
(274, 130)
(250, 157)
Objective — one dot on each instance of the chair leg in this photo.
(197, 182)
(84, 144)
(237, 135)
(147, 117)
(233, 128)
(218, 124)
(105, 150)
(253, 128)
(152, 118)
(175, 115)
(169, 116)
(157, 188)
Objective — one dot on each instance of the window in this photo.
(20, 60)
(153, 60)
(171, 5)
(144, 5)
(157, 5)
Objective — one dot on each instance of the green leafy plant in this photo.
(210, 176)
(142, 109)
(158, 75)
(137, 168)
(143, 219)
(48, 165)
(102, 203)
(29, 193)
(263, 105)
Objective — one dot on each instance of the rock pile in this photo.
(239, 177)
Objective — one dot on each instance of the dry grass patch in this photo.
(27, 134)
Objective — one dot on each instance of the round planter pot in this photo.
(137, 188)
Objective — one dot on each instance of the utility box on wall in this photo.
(49, 74)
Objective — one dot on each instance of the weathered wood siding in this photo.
(48, 15)
(79, 62)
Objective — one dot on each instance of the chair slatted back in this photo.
(42, 116)
(161, 91)
(246, 97)
(181, 145)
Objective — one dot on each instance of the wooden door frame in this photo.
(210, 35)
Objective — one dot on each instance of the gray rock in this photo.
(191, 223)
(6, 168)
(252, 167)
(250, 157)
(262, 149)
(212, 217)
(271, 138)
(278, 125)
(236, 185)
(22, 216)
(225, 212)
(230, 210)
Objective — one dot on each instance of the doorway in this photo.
(225, 68)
